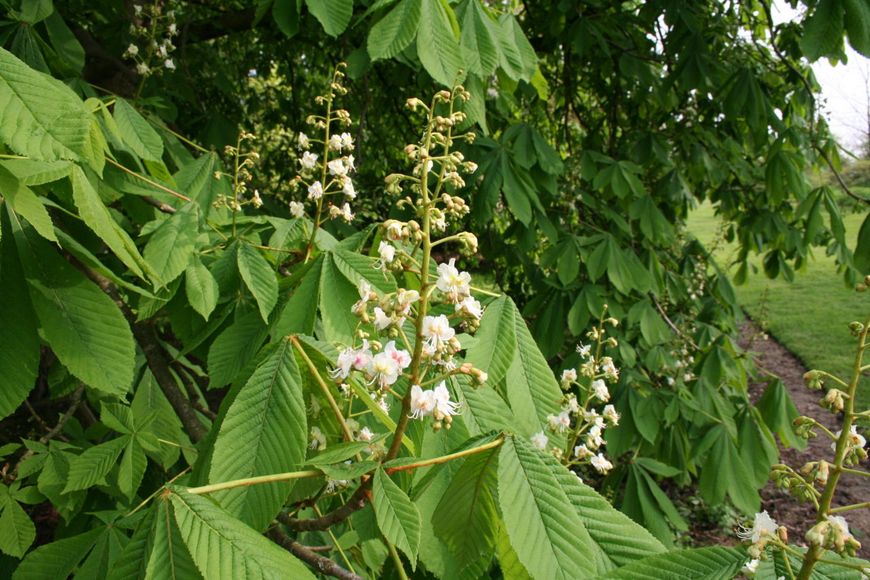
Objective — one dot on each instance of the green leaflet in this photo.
(544, 530)
(337, 296)
(264, 431)
(17, 531)
(201, 288)
(494, 348)
(724, 472)
(437, 46)
(710, 563)
(333, 15)
(398, 518)
(94, 464)
(27, 204)
(137, 133)
(169, 557)
(479, 40)
(57, 559)
(300, 312)
(223, 547)
(172, 245)
(259, 277)
(19, 341)
(466, 519)
(395, 31)
(83, 326)
(40, 117)
(823, 30)
(97, 217)
(234, 347)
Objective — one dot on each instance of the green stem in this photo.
(324, 387)
(146, 180)
(854, 506)
(446, 458)
(815, 552)
(271, 478)
(397, 560)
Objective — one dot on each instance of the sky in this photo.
(845, 88)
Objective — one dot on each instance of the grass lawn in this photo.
(808, 316)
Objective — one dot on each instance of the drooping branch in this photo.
(306, 554)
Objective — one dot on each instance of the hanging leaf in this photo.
(437, 46)
(137, 133)
(398, 518)
(333, 15)
(171, 247)
(259, 278)
(394, 32)
(493, 351)
(201, 288)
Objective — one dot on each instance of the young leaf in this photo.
(85, 329)
(40, 117)
(201, 288)
(259, 278)
(132, 468)
(223, 547)
(437, 46)
(263, 432)
(398, 518)
(333, 15)
(544, 529)
(395, 31)
(138, 134)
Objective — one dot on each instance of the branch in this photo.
(320, 563)
(356, 502)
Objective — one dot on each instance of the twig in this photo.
(150, 182)
(164, 207)
(356, 502)
(672, 325)
(320, 563)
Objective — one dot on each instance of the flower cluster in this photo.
(578, 417)
(763, 531)
(326, 175)
(243, 160)
(422, 319)
(152, 30)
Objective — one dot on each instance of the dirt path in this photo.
(798, 518)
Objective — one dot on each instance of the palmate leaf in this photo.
(223, 547)
(713, 563)
(479, 40)
(544, 529)
(84, 328)
(94, 464)
(40, 117)
(19, 341)
(466, 519)
(17, 531)
(264, 431)
(398, 518)
(395, 31)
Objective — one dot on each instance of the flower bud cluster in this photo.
(152, 29)
(800, 486)
(244, 159)
(832, 533)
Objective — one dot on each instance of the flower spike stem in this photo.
(815, 552)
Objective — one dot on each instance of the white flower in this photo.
(304, 142)
(572, 406)
(335, 142)
(855, 441)
(750, 567)
(569, 376)
(394, 231)
(401, 357)
(444, 407)
(337, 167)
(297, 209)
(387, 252)
(581, 452)
(350, 162)
(540, 440)
(404, 299)
(365, 434)
(172, 29)
(132, 50)
(609, 369)
(315, 190)
(256, 199)
(137, 8)
(142, 68)
(470, 307)
(384, 369)
(345, 213)
(599, 389)
(346, 141)
(842, 525)
(584, 349)
(559, 422)
(601, 464)
(593, 437)
(348, 189)
(437, 330)
(168, 64)
(455, 284)
(422, 402)
(491, 93)
(610, 414)
(351, 358)
(318, 439)
(309, 159)
(763, 527)
(382, 321)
